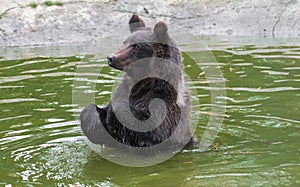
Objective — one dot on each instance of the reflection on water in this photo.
(41, 142)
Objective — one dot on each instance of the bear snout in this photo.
(111, 59)
(113, 62)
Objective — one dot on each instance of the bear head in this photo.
(145, 43)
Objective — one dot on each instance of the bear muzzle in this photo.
(112, 62)
(110, 59)
(118, 62)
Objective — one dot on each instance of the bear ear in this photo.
(161, 32)
(135, 22)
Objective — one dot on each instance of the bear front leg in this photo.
(92, 120)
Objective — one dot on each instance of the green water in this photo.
(41, 143)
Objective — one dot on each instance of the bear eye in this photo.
(135, 46)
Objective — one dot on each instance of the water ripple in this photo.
(277, 89)
(273, 117)
(17, 100)
(224, 175)
(14, 117)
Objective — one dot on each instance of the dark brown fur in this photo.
(153, 47)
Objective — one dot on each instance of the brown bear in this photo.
(151, 105)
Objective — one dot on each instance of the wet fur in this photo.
(144, 43)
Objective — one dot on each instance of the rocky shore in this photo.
(32, 23)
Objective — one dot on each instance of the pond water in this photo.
(258, 144)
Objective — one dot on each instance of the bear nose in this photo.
(111, 59)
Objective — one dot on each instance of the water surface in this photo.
(41, 142)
